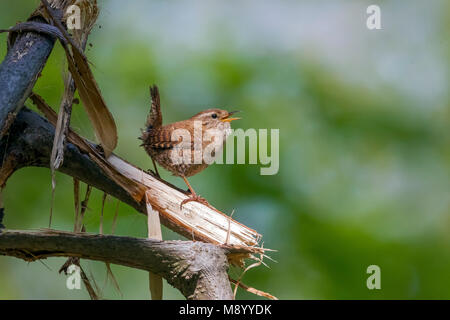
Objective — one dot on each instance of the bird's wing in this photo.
(161, 138)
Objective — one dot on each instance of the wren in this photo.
(160, 140)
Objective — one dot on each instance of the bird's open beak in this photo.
(228, 119)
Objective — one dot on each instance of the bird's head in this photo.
(215, 118)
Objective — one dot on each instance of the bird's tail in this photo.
(154, 118)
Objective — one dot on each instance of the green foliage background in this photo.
(364, 139)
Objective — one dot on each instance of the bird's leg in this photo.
(194, 196)
(156, 168)
(154, 173)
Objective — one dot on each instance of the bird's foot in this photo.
(195, 198)
(153, 173)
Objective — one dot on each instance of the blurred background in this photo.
(364, 118)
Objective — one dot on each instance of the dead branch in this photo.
(197, 269)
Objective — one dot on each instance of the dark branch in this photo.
(29, 143)
(197, 269)
(19, 72)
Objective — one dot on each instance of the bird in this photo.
(166, 147)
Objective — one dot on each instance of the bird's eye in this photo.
(214, 116)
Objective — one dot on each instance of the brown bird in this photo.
(182, 154)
